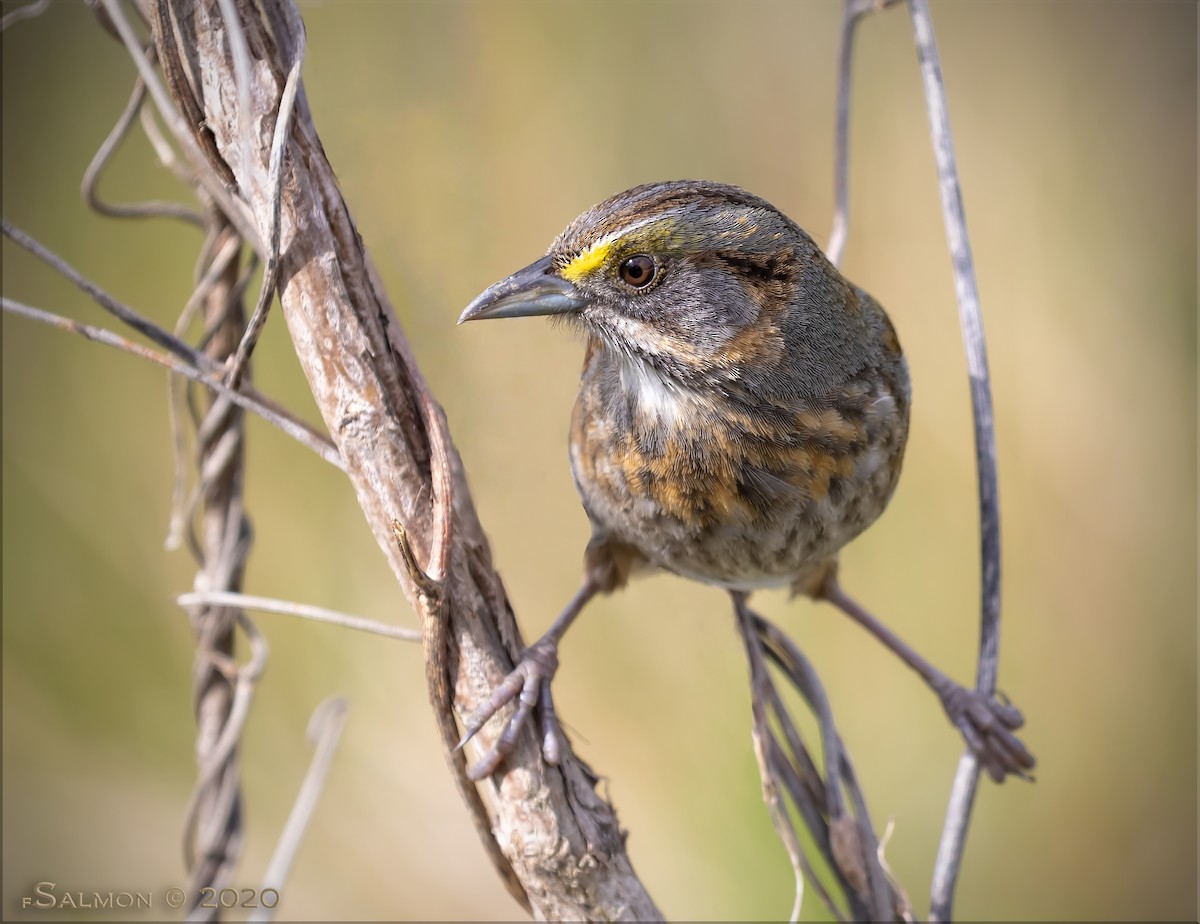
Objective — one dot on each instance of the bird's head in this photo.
(698, 279)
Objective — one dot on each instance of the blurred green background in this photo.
(465, 136)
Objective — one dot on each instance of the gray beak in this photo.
(535, 290)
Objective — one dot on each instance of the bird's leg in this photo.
(529, 685)
(986, 722)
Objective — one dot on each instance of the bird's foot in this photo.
(987, 723)
(529, 685)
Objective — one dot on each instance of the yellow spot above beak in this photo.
(587, 262)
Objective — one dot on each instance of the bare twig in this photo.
(324, 731)
(243, 680)
(24, 12)
(276, 414)
(283, 128)
(162, 147)
(260, 404)
(303, 610)
(842, 833)
(250, 401)
(952, 845)
(765, 747)
(221, 247)
(852, 842)
(91, 176)
(235, 209)
(852, 12)
(958, 815)
(123, 312)
(213, 836)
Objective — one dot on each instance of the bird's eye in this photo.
(637, 271)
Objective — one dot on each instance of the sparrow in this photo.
(742, 415)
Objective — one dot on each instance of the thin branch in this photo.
(764, 747)
(244, 679)
(303, 610)
(24, 12)
(163, 148)
(953, 843)
(123, 312)
(324, 731)
(210, 268)
(852, 12)
(91, 176)
(263, 406)
(215, 262)
(176, 524)
(852, 846)
(842, 834)
(219, 534)
(971, 321)
(234, 208)
(958, 814)
(283, 128)
(249, 401)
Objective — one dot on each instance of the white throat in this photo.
(660, 398)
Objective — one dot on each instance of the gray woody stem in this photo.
(554, 840)
(966, 781)
(962, 796)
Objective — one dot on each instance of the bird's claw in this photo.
(529, 685)
(987, 723)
